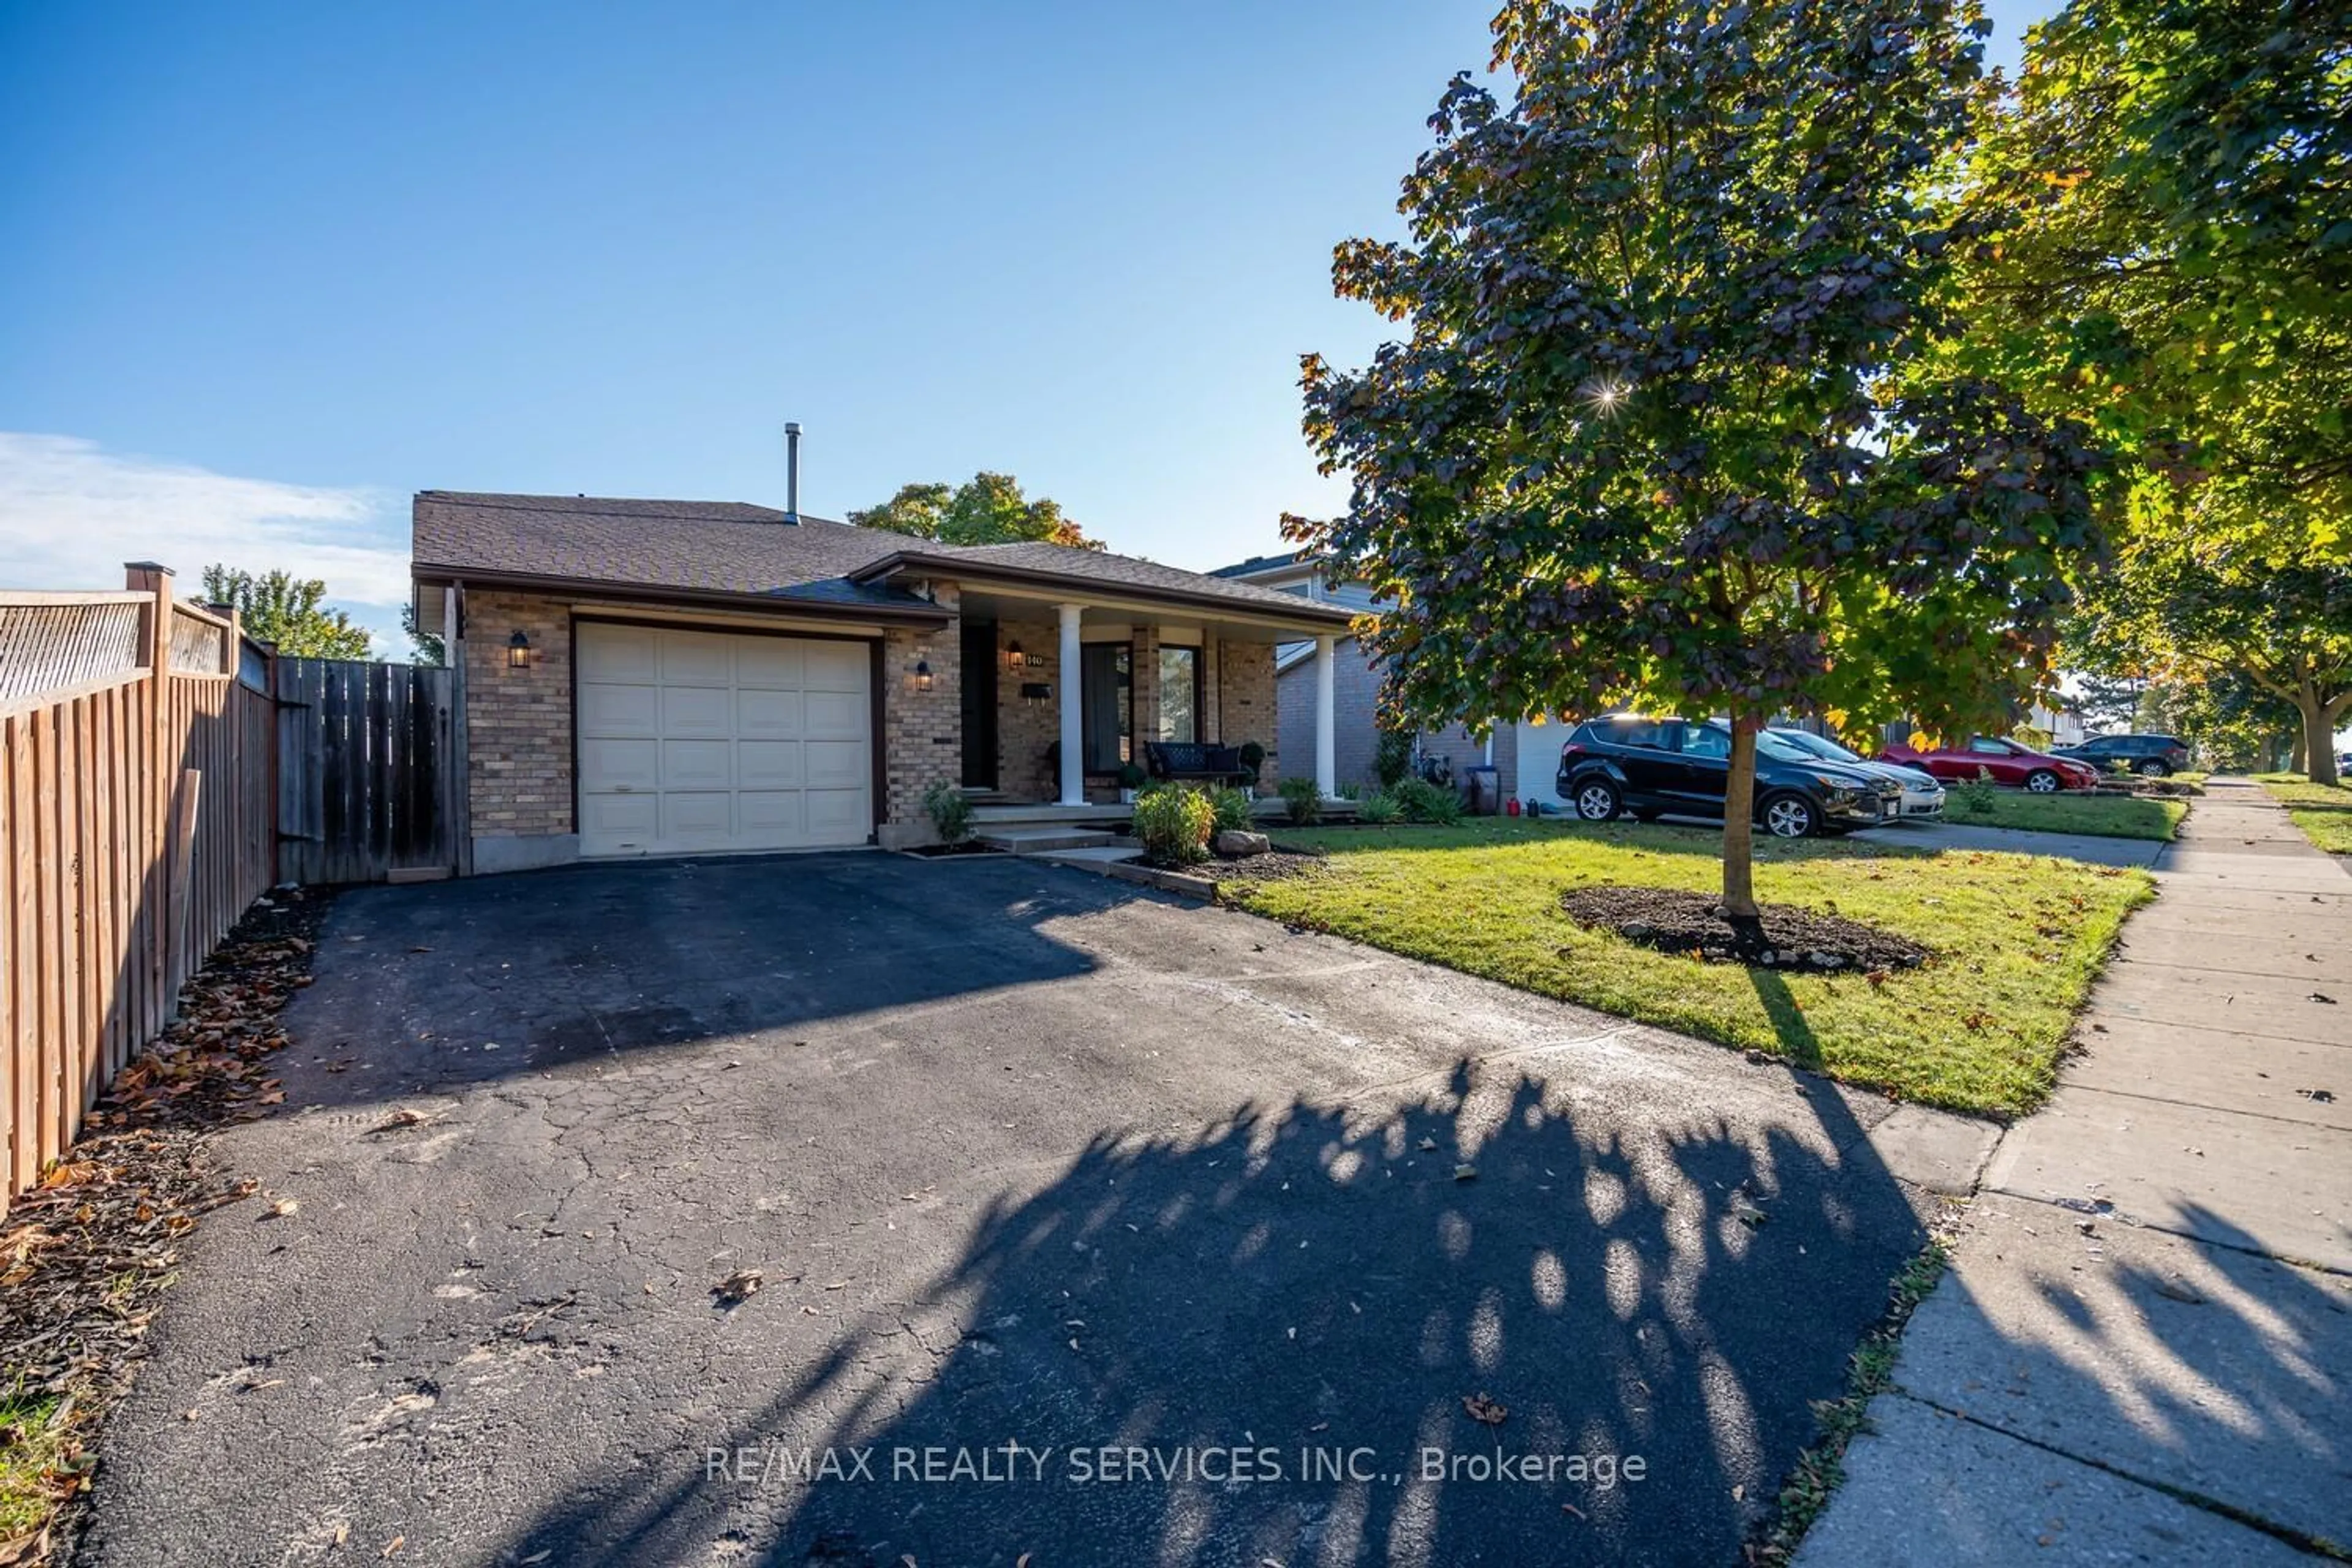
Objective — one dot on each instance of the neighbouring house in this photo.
(1355, 695)
(2062, 717)
(666, 678)
(1355, 679)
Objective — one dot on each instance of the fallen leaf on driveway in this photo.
(394, 1545)
(738, 1287)
(1483, 1409)
(1428, 1145)
(399, 1118)
(2322, 996)
(1465, 1173)
(282, 1208)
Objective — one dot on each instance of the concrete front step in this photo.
(1044, 838)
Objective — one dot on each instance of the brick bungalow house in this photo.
(661, 678)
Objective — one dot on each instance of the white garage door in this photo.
(692, 742)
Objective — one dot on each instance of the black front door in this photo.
(977, 682)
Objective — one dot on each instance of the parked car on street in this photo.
(2005, 761)
(2156, 756)
(1922, 797)
(1656, 767)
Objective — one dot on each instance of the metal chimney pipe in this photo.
(792, 470)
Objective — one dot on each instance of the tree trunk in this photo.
(2318, 762)
(1740, 834)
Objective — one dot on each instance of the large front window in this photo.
(1179, 694)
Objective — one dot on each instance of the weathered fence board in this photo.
(363, 785)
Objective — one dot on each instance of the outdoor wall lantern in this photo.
(922, 674)
(518, 651)
(1013, 658)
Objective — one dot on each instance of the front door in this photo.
(977, 682)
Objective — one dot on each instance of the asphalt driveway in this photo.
(1092, 1226)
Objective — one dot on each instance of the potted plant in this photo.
(1131, 778)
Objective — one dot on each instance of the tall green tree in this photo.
(287, 611)
(1659, 431)
(2200, 607)
(2169, 193)
(987, 509)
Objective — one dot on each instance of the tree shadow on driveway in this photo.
(1273, 1326)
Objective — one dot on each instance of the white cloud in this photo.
(71, 513)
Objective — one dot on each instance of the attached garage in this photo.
(697, 742)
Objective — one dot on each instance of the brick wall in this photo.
(518, 721)
(1245, 706)
(1024, 729)
(922, 731)
(1147, 687)
(1355, 709)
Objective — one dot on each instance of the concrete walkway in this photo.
(2143, 1351)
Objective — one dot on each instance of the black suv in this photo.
(2155, 755)
(1653, 767)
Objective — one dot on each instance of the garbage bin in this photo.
(1486, 789)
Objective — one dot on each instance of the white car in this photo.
(1923, 794)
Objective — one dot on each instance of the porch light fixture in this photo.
(922, 674)
(1015, 659)
(518, 651)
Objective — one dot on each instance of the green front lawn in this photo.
(1978, 1029)
(2324, 812)
(2100, 816)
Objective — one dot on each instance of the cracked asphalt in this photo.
(1207, 1229)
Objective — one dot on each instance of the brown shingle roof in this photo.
(731, 547)
(1102, 570)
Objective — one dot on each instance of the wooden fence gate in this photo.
(369, 772)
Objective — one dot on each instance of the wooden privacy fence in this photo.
(135, 827)
(161, 769)
(368, 779)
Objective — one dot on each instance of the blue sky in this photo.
(266, 270)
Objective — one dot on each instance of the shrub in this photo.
(950, 812)
(1305, 801)
(1230, 807)
(1132, 776)
(1418, 800)
(1392, 757)
(1378, 809)
(1173, 825)
(1974, 798)
(1253, 757)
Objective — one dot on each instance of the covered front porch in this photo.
(1063, 700)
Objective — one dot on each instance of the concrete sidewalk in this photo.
(2143, 1350)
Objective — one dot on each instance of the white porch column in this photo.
(1074, 762)
(1326, 749)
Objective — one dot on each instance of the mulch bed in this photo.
(1672, 920)
(84, 1256)
(1275, 865)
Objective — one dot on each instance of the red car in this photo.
(2006, 760)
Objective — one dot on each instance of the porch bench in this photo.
(1187, 760)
